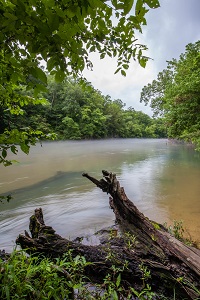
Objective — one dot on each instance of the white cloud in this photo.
(117, 86)
(169, 29)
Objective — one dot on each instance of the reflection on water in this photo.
(162, 179)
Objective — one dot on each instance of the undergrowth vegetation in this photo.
(36, 277)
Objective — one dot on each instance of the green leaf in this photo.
(50, 64)
(39, 88)
(128, 4)
(138, 7)
(14, 77)
(11, 17)
(118, 281)
(60, 76)
(23, 52)
(123, 73)
(152, 3)
(92, 49)
(41, 75)
(25, 148)
(102, 55)
(92, 3)
(70, 13)
(4, 153)
(53, 21)
(125, 66)
(13, 148)
(13, 161)
(118, 69)
(143, 62)
(50, 3)
(114, 295)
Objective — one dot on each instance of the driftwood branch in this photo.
(172, 264)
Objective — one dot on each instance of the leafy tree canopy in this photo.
(176, 95)
(63, 33)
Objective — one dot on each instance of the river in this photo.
(160, 177)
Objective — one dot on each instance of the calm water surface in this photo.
(161, 178)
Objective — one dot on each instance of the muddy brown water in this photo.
(160, 177)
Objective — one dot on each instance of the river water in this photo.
(161, 178)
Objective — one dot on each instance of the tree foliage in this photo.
(73, 112)
(176, 95)
(63, 33)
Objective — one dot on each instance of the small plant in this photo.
(130, 240)
(117, 270)
(146, 274)
(113, 234)
(178, 231)
(110, 254)
(155, 225)
(111, 288)
(192, 287)
(146, 292)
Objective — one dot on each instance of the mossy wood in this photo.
(173, 265)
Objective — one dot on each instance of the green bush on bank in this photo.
(25, 277)
(36, 277)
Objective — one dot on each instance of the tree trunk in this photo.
(141, 243)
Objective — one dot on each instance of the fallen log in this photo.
(138, 243)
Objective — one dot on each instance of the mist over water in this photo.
(161, 178)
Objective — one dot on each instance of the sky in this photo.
(169, 29)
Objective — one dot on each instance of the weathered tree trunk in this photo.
(172, 265)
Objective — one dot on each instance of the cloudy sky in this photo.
(169, 29)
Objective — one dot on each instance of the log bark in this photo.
(173, 265)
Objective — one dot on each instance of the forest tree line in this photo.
(73, 112)
(175, 95)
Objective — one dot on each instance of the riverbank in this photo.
(131, 253)
(33, 276)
